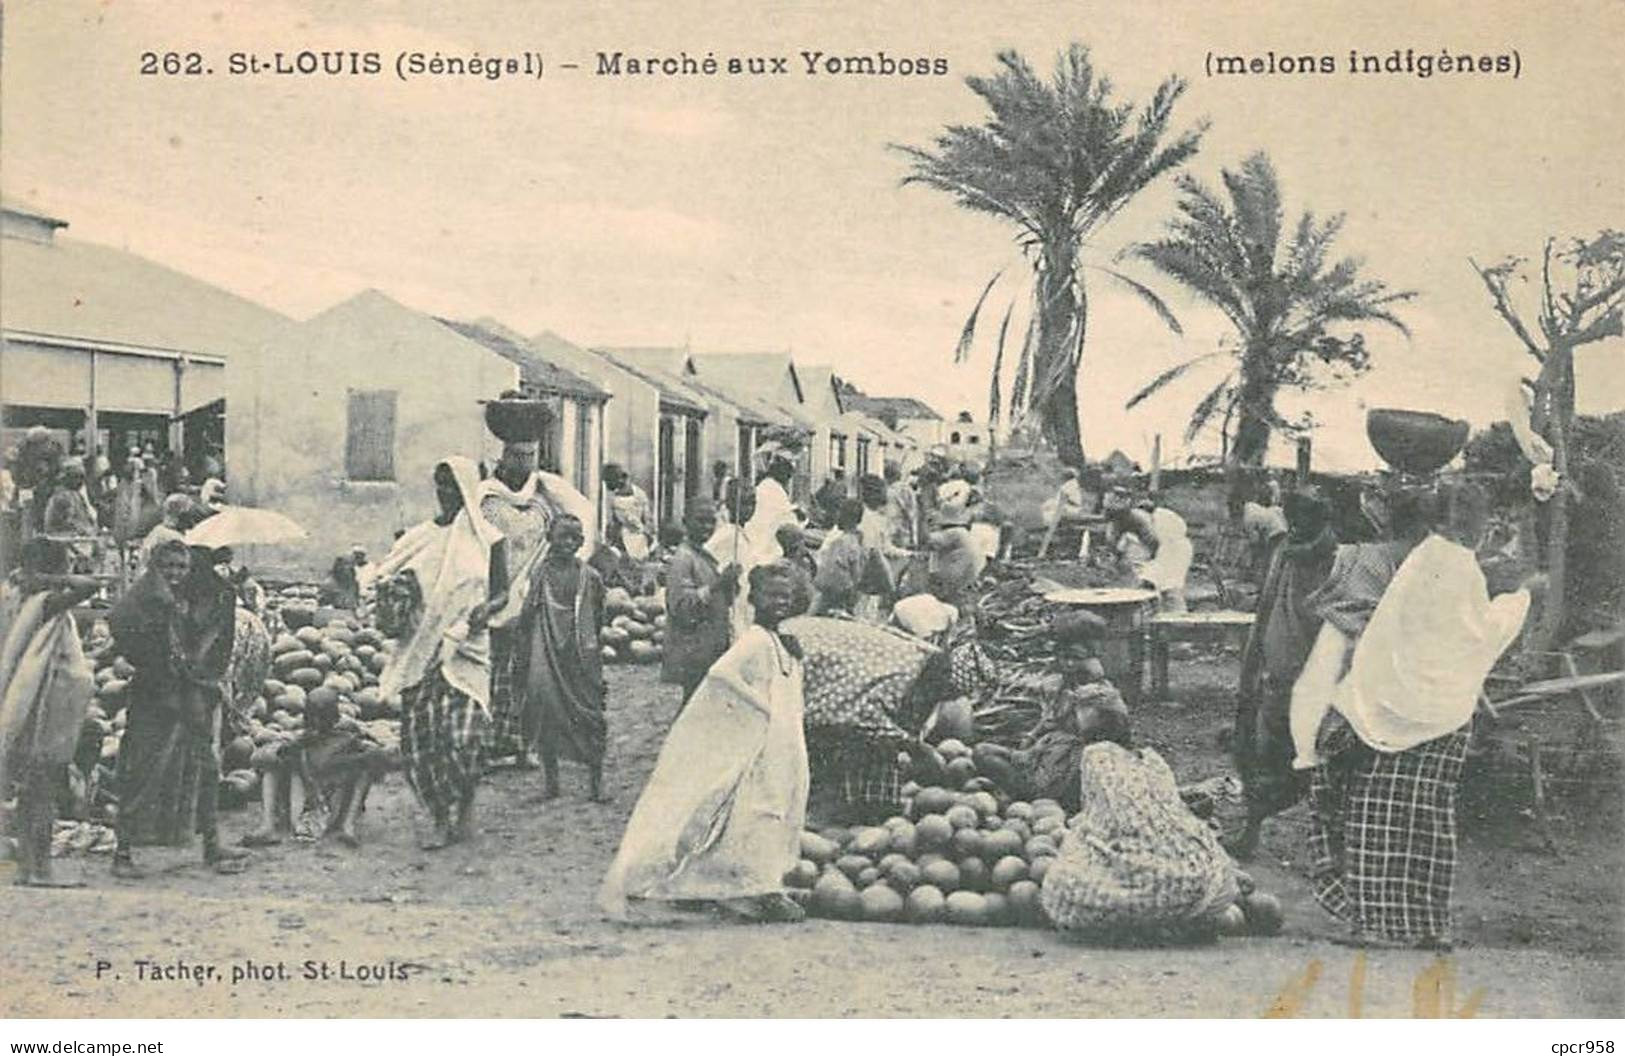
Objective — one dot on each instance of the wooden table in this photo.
(1125, 610)
(1165, 628)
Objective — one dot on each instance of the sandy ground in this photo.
(506, 926)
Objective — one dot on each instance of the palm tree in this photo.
(1057, 159)
(1282, 296)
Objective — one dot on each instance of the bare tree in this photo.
(1582, 301)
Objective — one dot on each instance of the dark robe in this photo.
(180, 645)
(563, 677)
(1283, 633)
(696, 617)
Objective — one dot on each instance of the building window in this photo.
(369, 435)
(974, 439)
(953, 437)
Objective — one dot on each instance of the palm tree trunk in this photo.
(1059, 311)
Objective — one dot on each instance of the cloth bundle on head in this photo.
(954, 493)
(924, 616)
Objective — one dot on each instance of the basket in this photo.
(517, 421)
(1415, 442)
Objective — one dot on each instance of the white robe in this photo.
(722, 814)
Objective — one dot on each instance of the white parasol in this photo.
(244, 525)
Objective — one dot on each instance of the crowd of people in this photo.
(808, 649)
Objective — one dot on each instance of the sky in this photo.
(766, 214)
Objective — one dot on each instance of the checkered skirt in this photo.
(441, 741)
(1382, 837)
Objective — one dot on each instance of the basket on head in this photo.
(1416, 443)
(517, 420)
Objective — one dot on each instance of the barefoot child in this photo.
(564, 682)
(45, 690)
(317, 784)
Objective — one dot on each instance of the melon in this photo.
(608, 654)
(306, 677)
(942, 875)
(309, 637)
(934, 801)
(237, 753)
(294, 693)
(973, 874)
(881, 905)
(853, 864)
(643, 652)
(895, 822)
(292, 661)
(321, 661)
(968, 843)
(868, 878)
(365, 652)
(1017, 826)
(1039, 847)
(905, 838)
(639, 631)
(952, 749)
(323, 696)
(1038, 869)
(122, 668)
(925, 905)
(613, 636)
(1230, 920)
(618, 602)
(984, 804)
(1007, 872)
(1048, 823)
(871, 842)
(834, 896)
(956, 721)
(271, 689)
(967, 908)
(288, 704)
(933, 833)
(285, 643)
(340, 633)
(963, 817)
(1000, 843)
(904, 875)
(999, 913)
(1019, 810)
(113, 689)
(1263, 913)
(961, 770)
(1023, 896)
(817, 849)
(910, 789)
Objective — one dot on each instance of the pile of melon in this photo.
(296, 605)
(634, 628)
(953, 857)
(961, 857)
(337, 664)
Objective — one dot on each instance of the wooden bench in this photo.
(1165, 628)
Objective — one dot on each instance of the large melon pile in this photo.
(340, 662)
(634, 628)
(952, 857)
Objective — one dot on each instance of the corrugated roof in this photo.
(67, 288)
(538, 370)
(674, 393)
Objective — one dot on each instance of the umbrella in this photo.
(242, 525)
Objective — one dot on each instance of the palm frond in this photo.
(1207, 406)
(998, 367)
(968, 334)
(1147, 295)
(1169, 376)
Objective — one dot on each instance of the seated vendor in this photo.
(318, 783)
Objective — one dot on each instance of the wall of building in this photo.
(287, 410)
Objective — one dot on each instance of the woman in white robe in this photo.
(720, 819)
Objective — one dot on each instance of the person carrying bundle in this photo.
(45, 693)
